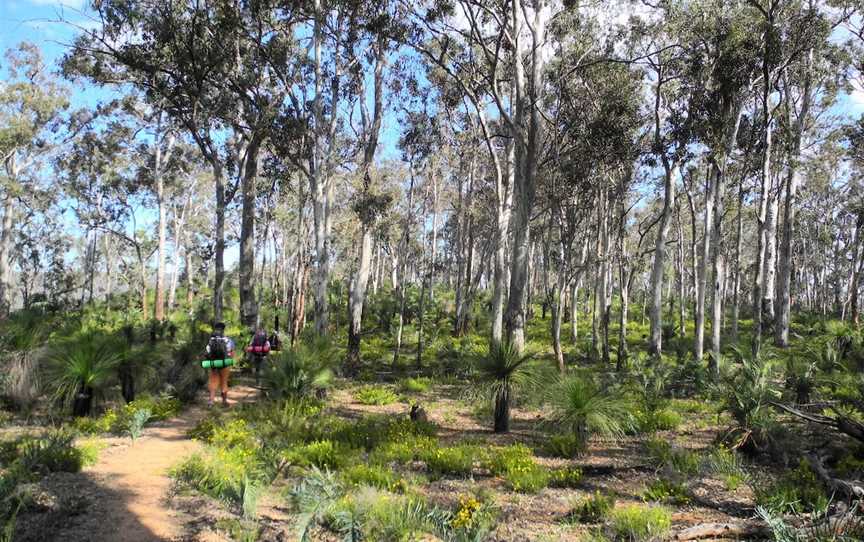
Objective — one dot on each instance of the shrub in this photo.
(726, 464)
(472, 519)
(501, 372)
(660, 420)
(415, 385)
(453, 460)
(566, 446)
(222, 473)
(679, 459)
(516, 465)
(567, 477)
(373, 476)
(635, 522)
(321, 454)
(302, 371)
(408, 449)
(136, 424)
(798, 491)
(591, 509)
(375, 395)
(748, 392)
(666, 491)
(371, 431)
(52, 452)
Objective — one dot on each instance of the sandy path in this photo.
(123, 496)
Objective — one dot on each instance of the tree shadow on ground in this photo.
(76, 507)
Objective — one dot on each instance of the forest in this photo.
(487, 270)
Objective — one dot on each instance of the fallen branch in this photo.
(738, 530)
(850, 489)
(843, 424)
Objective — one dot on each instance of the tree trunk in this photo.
(784, 291)
(856, 270)
(248, 304)
(702, 287)
(529, 144)
(736, 282)
(219, 277)
(357, 293)
(502, 410)
(655, 346)
(5, 256)
(159, 171)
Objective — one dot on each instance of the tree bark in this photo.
(5, 256)
(784, 290)
(698, 342)
(655, 346)
(248, 304)
(164, 143)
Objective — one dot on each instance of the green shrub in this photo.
(299, 372)
(321, 454)
(52, 452)
(136, 424)
(516, 465)
(567, 477)
(679, 459)
(660, 420)
(222, 473)
(727, 466)
(373, 476)
(371, 431)
(415, 385)
(451, 460)
(566, 446)
(409, 449)
(234, 433)
(666, 491)
(591, 509)
(798, 491)
(239, 530)
(637, 523)
(472, 520)
(371, 394)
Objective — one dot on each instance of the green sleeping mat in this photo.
(217, 363)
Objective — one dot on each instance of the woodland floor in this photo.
(127, 496)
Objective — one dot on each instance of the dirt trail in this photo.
(123, 496)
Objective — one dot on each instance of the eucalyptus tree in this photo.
(32, 106)
(202, 64)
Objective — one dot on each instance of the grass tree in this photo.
(580, 407)
(79, 369)
(501, 371)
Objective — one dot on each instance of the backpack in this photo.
(216, 348)
(259, 344)
(275, 343)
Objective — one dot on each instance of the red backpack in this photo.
(259, 345)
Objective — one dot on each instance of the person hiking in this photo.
(219, 347)
(258, 350)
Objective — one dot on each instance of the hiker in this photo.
(219, 347)
(258, 350)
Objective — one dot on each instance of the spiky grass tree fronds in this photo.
(500, 371)
(314, 498)
(579, 406)
(79, 368)
(297, 372)
(747, 391)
